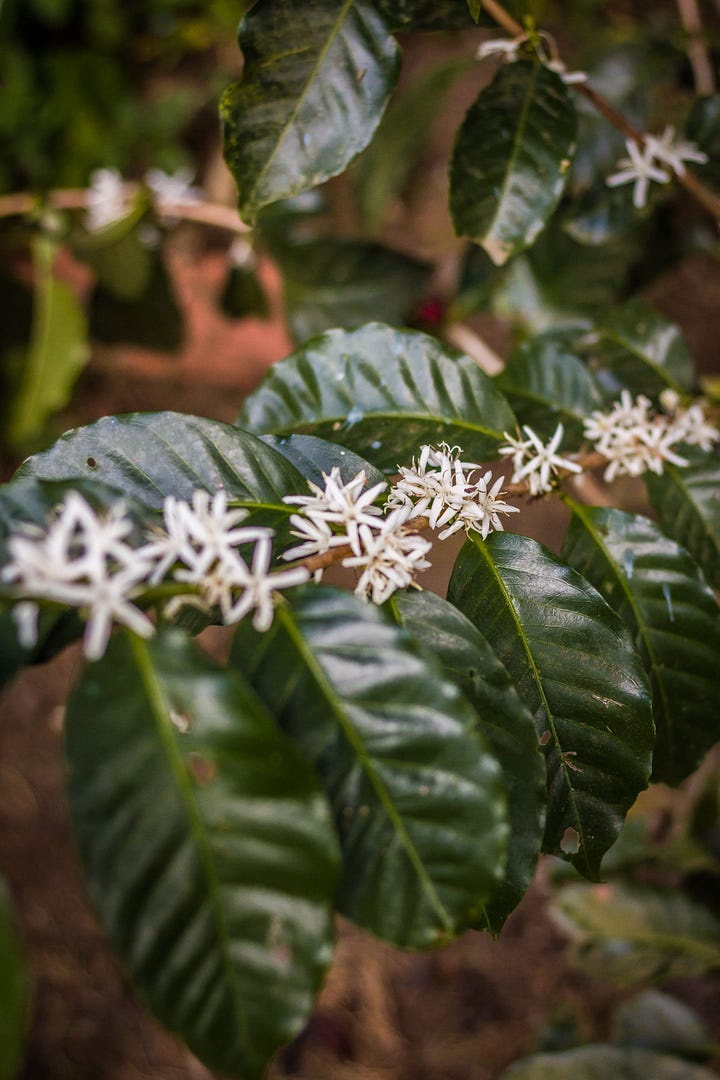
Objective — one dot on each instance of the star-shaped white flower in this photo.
(317, 537)
(505, 49)
(638, 168)
(260, 588)
(389, 558)
(669, 150)
(536, 462)
(343, 504)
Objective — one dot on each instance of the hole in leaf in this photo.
(91, 463)
(570, 843)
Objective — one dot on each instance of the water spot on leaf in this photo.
(376, 445)
(354, 417)
(668, 600)
(91, 463)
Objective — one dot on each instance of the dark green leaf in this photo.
(503, 720)
(605, 1063)
(207, 845)
(574, 662)
(58, 350)
(659, 592)
(316, 81)
(687, 501)
(645, 351)
(14, 992)
(660, 1022)
(602, 214)
(417, 797)
(545, 382)
(148, 456)
(314, 457)
(381, 392)
(381, 172)
(151, 319)
(475, 7)
(634, 934)
(243, 295)
(342, 283)
(417, 15)
(511, 159)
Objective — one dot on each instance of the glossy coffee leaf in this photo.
(343, 283)
(315, 458)
(659, 592)
(207, 847)
(382, 393)
(574, 662)
(417, 796)
(687, 503)
(316, 80)
(642, 349)
(148, 456)
(511, 159)
(600, 1062)
(638, 934)
(503, 720)
(546, 383)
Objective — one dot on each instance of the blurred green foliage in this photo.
(84, 84)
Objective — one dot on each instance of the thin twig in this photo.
(697, 50)
(202, 213)
(466, 340)
(702, 194)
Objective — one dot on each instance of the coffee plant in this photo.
(380, 751)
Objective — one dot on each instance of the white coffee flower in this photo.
(106, 199)
(535, 462)
(638, 168)
(317, 537)
(390, 557)
(25, 615)
(174, 187)
(82, 560)
(197, 535)
(260, 588)
(635, 439)
(505, 49)
(346, 505)
(669, 150)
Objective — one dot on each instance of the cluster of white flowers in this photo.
(535, 462)
(108, 198)
(635, 439)
(82, 559)
(650, 161)
(442, 488)
(201, 541)
(344, 515)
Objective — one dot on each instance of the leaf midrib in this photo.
(367, 765)
(160, 709)
(342, 15)
(663, 373)
(394, 416)
(519, 136)
(622, 580)
(482, 549)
